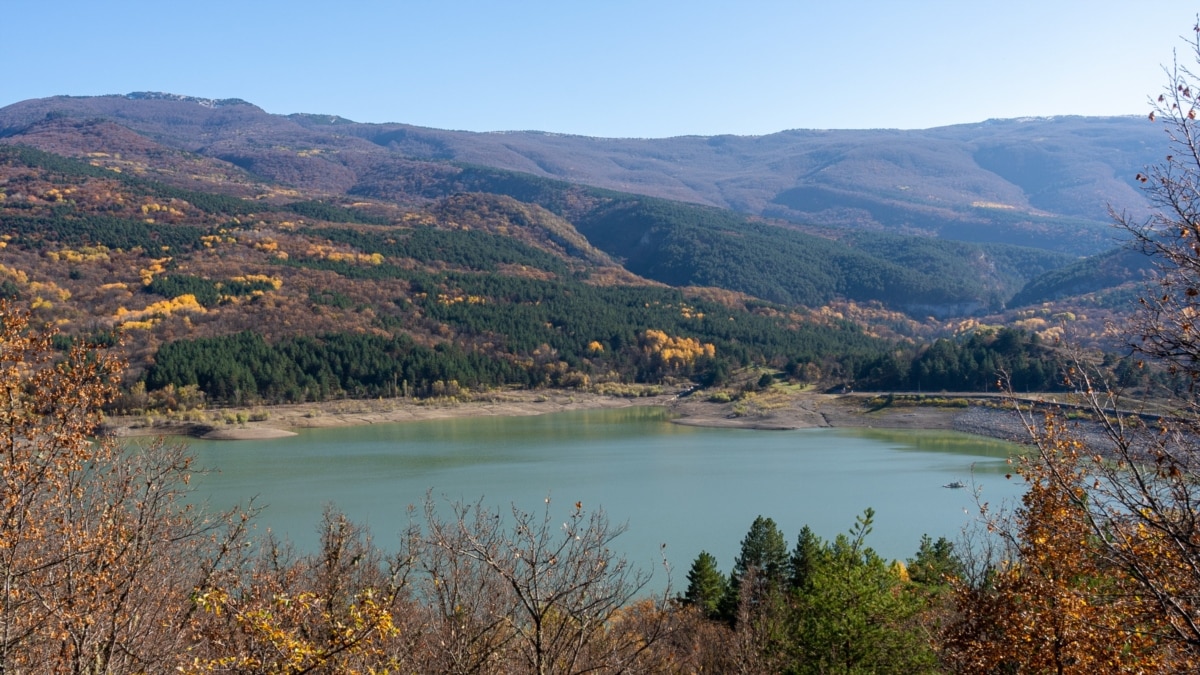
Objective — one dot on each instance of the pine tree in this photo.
(763, 558)
(706, 585)
(805, 558)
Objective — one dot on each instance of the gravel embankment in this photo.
(992, 422)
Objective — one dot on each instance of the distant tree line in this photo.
(244, 368)
(977, 362)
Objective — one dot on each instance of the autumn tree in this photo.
(97, 551)
(340, 609)
(1057, 602)
(1141, 485)
(1103, 568)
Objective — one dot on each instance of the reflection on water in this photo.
(950, 442)
(687, 487)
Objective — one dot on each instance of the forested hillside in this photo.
(327, 267)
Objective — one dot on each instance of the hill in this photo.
(255, 257)
(1045, 183)
(672, 242)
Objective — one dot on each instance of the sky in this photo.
(617, 68)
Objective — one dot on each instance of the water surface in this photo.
(689, 488)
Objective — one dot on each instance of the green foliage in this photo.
(91, 229)
(21, 155)
(683, 244)
(831, 606)
(65, 166)
(760, 569)
(935, 563)
(806, 558)
(332, 213)
(973, 363)
(1094, 274)
(330, 298)
(855, 614)
(469, 249)
(520, 314)
(207, 291)
(706, 585)
(243, 368)
(209, 202)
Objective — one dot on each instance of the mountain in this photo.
(258, 257)
(1042, 182)
(235, 148)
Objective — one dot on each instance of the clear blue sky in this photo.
(611, 68)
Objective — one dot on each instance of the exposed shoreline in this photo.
(793, 411)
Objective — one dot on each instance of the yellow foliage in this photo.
(1060, 605)
(326, 252)
(139, 325)
(275, 282)
(183, 303)
(83, 255)
(157, 266)
(1052, 334)
(595, 347)
(674, 352)
(446, 299)
(50, 288)
(16, 275)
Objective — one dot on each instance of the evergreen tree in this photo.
(935, 563)
(805, 558)
(764, 559)
(854, 613)
(706, 585)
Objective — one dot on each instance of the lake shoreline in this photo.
(794, 410)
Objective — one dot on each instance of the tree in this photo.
(1058, 602)
(854, 613)
(1103, 562)
(560, 588)
(759, 570)
(706, 585)
(805, 558)
(936, 563)
(98, 554)
(333, 611)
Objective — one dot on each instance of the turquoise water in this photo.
(687, 488)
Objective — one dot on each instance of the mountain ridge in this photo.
(1029, 177)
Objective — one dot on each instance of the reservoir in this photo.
(683, 488)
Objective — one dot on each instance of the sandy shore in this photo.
(796, 410)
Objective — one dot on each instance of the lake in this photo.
(689, 488)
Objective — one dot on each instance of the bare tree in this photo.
(549, 593)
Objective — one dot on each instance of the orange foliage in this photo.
(1059, 604)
